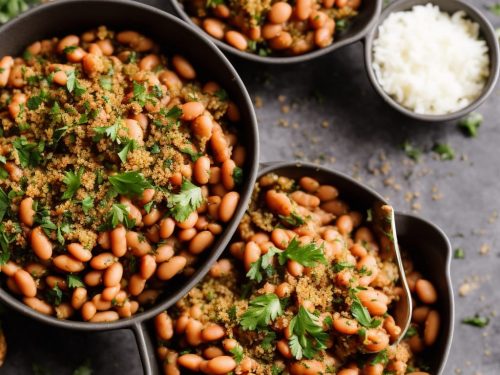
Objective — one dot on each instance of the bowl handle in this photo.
(146, 349)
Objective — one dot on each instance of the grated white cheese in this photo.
(429, 61)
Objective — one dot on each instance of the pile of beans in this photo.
(273, 28)
(204, 331)
(65, 263)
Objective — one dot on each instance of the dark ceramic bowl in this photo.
(450, 6)
(358, 28)
(425, 243)
(73, 16)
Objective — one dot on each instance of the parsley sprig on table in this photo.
(308, 336)
(186, 201)
(261, 311)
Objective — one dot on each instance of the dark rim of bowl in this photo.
(281, 60)
(485, 28)
(229, 230)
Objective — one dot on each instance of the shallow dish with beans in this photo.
(307, 289)
(279, 31)
(118, 168)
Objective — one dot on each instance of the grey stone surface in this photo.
(336, 118)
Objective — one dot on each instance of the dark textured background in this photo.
(329, 113)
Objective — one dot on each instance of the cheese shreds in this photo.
(429, 61)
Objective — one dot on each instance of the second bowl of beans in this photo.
(280, 32)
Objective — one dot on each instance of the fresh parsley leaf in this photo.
(55, 295)
(11, 8)
(84, 369)
(410, 332)
(30, 154)
(476, 321)
(459, 253)
(73, 183)
(381, 357)
(4, 204)
(71, 79)
(69, 49)
(221, 94)
(471, 123)
(110, 131)
(186, 201)
(130, 145)
(411, 151)
(263, 264)
(238, 353)
(495, 9)
(267, 342)
(309, 255)
(277, 370)
(213, 3)
(129, 183)
(155, 149)
(35, 101)
(74, 281)
(445, 151)
(192, 153)
(362, 315)
(119, 213)
(147, 206)
(308, 336)
(106, 82)
(87, 204)
(293, 220)
(339, 266)
(261, 311)
(238, 176)
(342, 24)
(61, 231)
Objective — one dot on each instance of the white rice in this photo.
(429, 61)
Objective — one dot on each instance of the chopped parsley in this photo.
(74, 281)
(221, 94)
(118, 214)
(308, 336)
(61, 231)
(55, 295)
(35, 101)
(269, 338)
(476, 321)
(155, 149)
(362, 315)
(308, 255)
(106, 82)
(30, 154)
(188, 200)
(261, 311)
(444, 151)
(495, 9)
(238, 175)
(339, 266)
(192, 153)
(381, 357)
(130, 145)
(5, 241)
(459, 253)
(263, 264)
(110, 131)
(237, 353)
(129, 183)
(4, 204)
(73, 182)
(11, 8)
(293, 220)
(411, 151)
(410, 332)
(471, 123)
(87, 204)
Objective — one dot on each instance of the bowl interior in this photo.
(430, 251)
(449, 6)
(64, 17)
(358, 196)
(358, 27)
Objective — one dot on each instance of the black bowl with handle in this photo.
(74, 16)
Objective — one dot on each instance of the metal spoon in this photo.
(384, 225)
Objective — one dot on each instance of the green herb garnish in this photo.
(471, 123)
(308, 336)
(129, 183)
(476, 321)
(261, 311)
(186, 201)
(445, 151)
